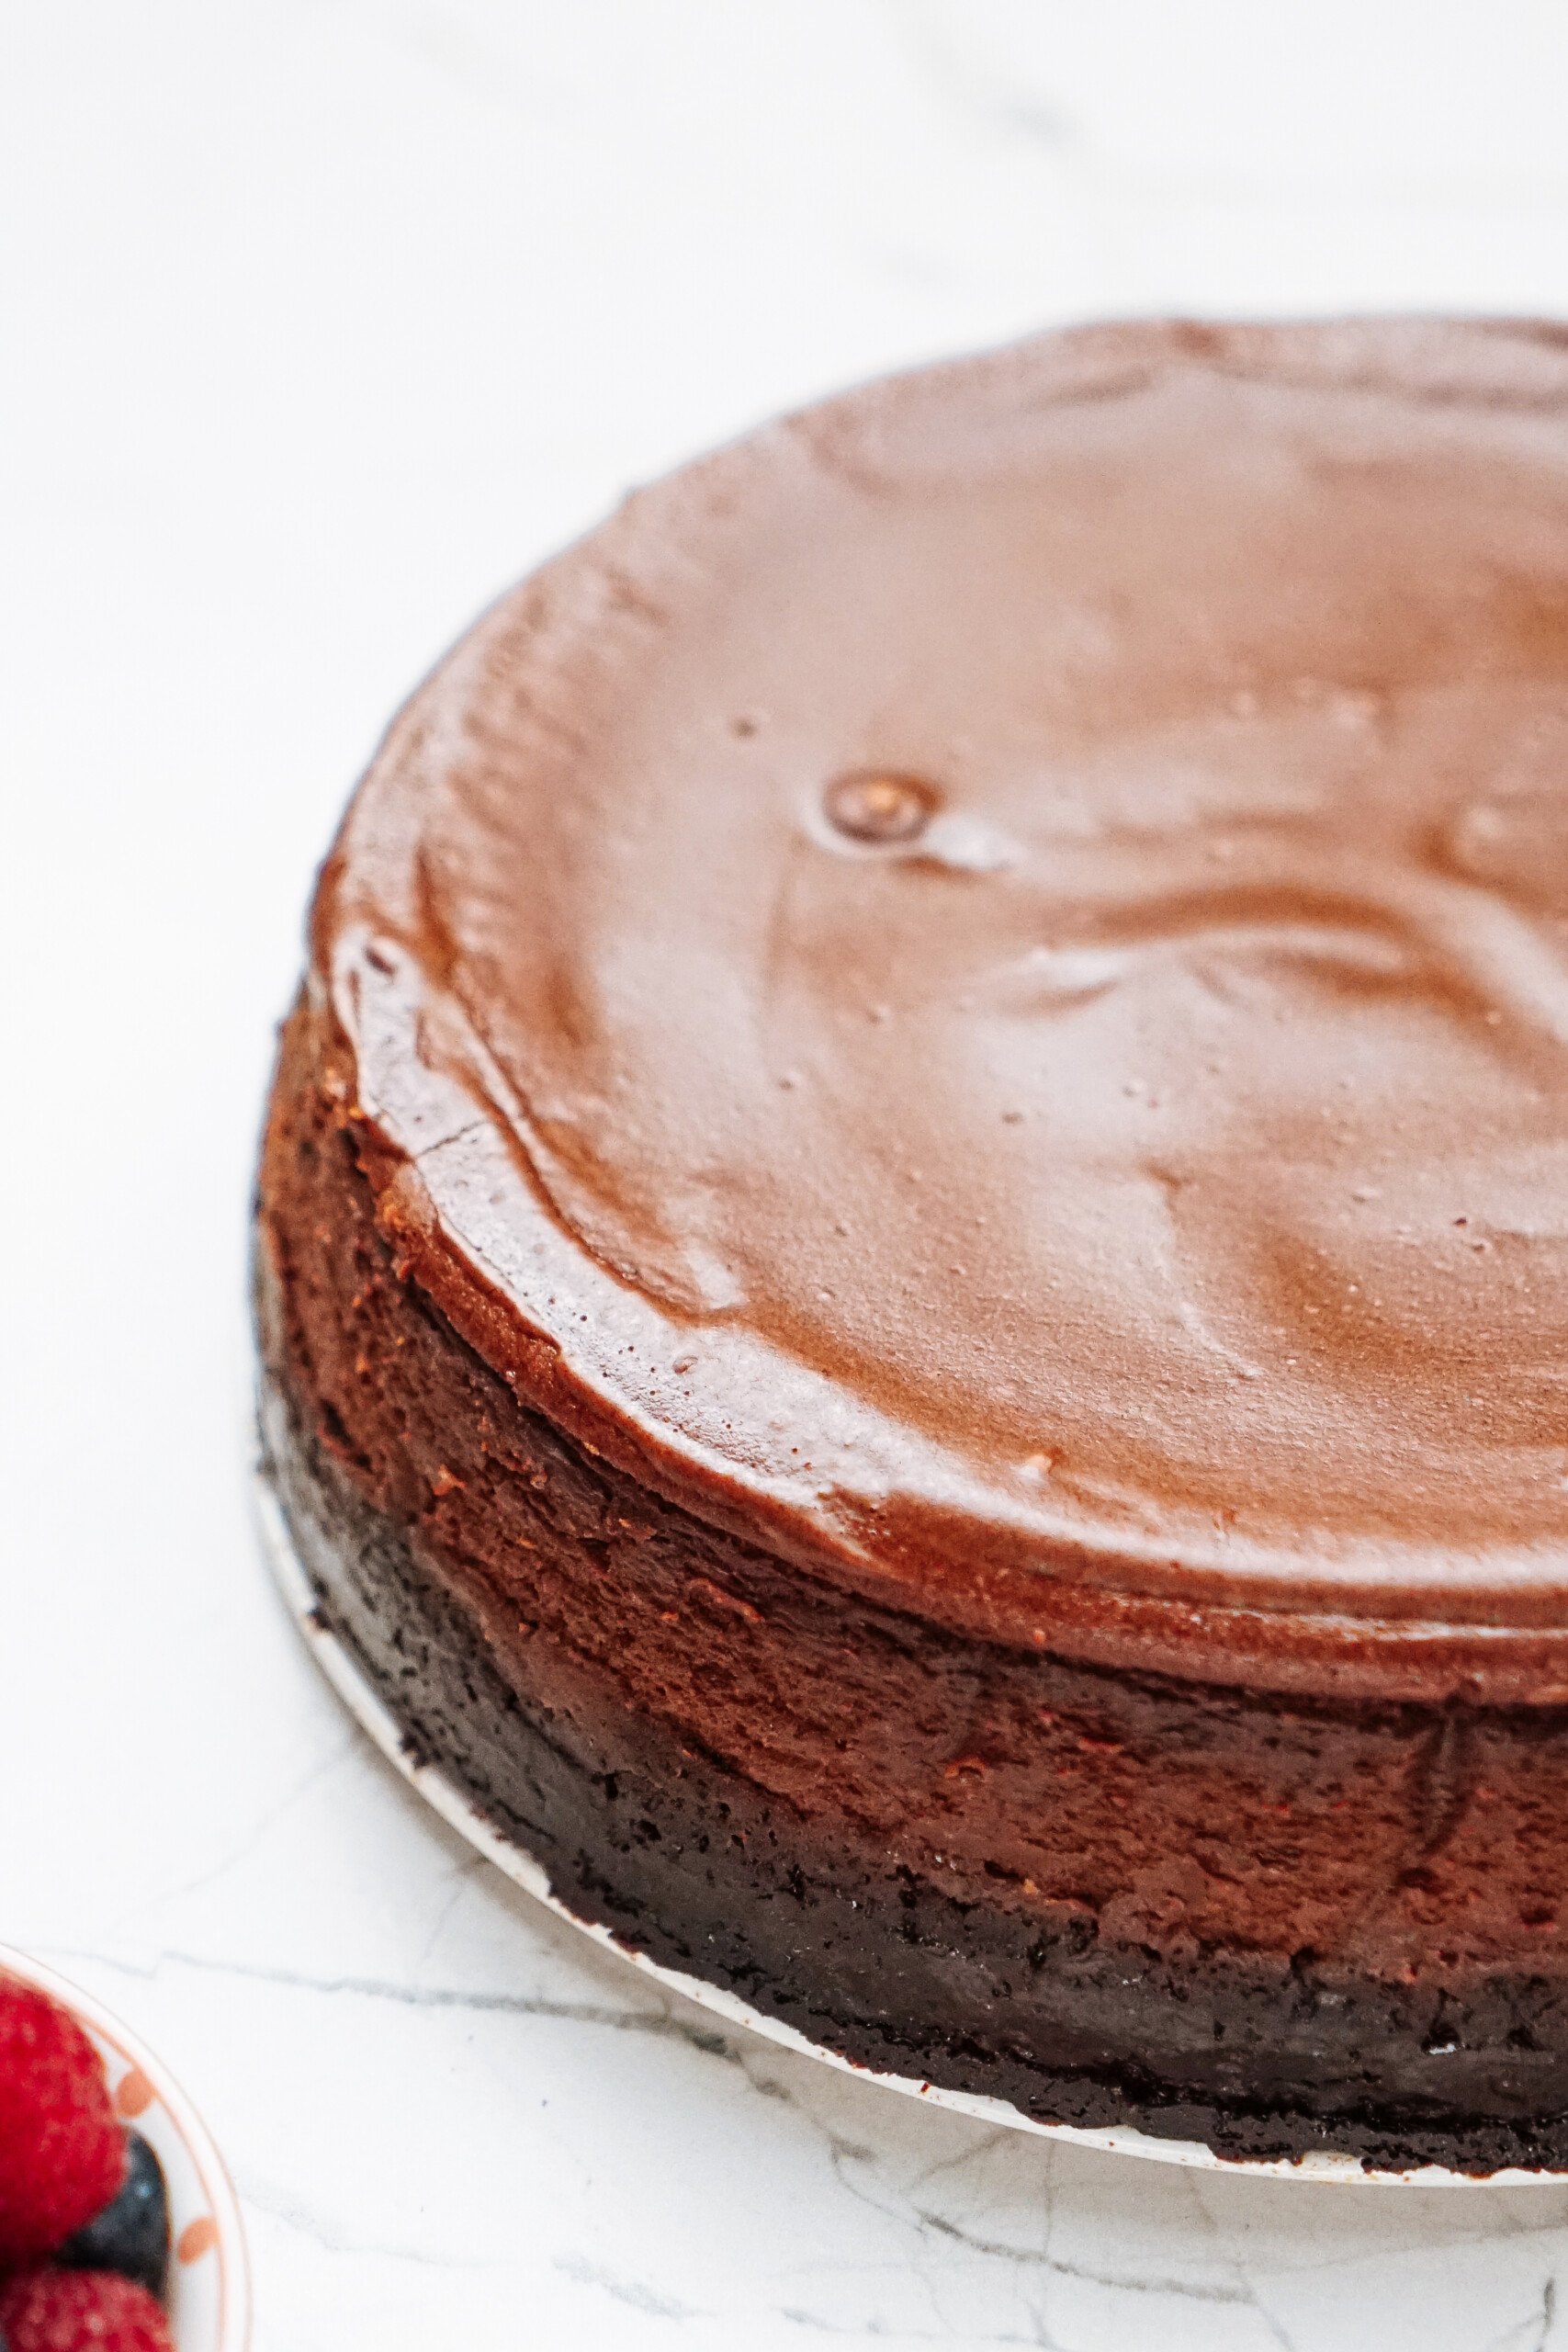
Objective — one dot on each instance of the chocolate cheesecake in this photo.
(913, 1238)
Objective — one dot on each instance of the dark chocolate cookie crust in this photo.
(587, 1665)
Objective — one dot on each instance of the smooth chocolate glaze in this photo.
(911, 1240)
(978, 987)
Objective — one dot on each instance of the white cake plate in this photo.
(348, 1679)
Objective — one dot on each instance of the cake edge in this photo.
(425, 1657)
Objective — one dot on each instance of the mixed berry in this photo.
(84, 2215)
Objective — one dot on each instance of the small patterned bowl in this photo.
(210, 2296)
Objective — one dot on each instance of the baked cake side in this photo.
(1275, 1926)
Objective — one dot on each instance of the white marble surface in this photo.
(324, 318)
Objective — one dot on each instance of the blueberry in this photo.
(130, 2236)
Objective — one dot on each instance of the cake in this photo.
(913, 1244)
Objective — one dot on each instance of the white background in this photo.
(322, 320)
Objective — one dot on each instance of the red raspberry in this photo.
(62, 2151)
(81, 2310)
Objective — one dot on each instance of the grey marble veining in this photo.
(334, 315)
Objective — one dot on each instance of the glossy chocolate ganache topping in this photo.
(980, 983)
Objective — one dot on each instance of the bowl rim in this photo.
(233, 2258)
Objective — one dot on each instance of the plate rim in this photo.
(234, 2301)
